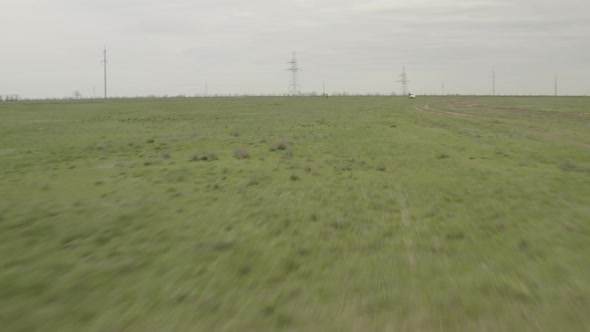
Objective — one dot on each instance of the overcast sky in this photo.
(49, 48)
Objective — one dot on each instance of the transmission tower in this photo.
(294, 82)
(404, 81)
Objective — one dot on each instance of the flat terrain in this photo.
(296, 214)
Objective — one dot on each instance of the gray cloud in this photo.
(173, 47)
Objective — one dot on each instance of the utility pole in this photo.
(104, 61)
(494, 82)
(404, 81)
(555, 85)
(443, 88)
(206, 90)
(324, 89)
(294, 82)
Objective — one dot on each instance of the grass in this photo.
(340, 214)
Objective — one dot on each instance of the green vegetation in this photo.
(296, 214)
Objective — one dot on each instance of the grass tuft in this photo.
(281, 145)
(241, 153)
(194, 157)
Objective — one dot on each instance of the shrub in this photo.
(442, 155)
(204, 157)
(567, 166)
(571, 167)
(282, 145)
(241, 153)
(210, 156)
(288, 154)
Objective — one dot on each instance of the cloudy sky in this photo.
(49, 48)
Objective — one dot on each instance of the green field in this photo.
(296, 214)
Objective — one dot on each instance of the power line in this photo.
(294, 81)
(404, 81)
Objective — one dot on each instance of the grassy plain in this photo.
(296, 214)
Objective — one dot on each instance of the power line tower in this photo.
(104, 61)
(404, 81)
(294, 82)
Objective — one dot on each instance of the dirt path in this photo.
(512, 110)
(426, 109)
(506, 123)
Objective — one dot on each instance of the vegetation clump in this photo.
(241, 153)
(281, 145)
(207, 156)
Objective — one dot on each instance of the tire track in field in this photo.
(426, 109)
(530, 111)
(506, 123)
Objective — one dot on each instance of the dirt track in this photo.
(505, 122)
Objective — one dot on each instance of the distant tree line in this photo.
(77, 95)
(7, 98)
